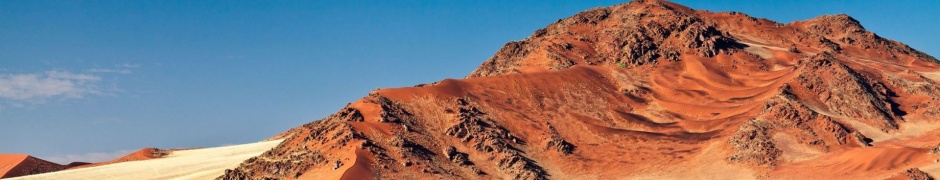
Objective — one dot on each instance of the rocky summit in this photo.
(644, 90)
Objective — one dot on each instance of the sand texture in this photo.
(206, 163)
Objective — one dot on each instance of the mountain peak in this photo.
(837, 20)
(646, 32)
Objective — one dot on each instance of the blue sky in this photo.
(90, 80)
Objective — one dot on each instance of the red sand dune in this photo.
(142, 154)
(14, 165)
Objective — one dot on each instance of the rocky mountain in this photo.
(645, 89)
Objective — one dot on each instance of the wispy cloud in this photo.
(121, 68)
(39, 87)
(107, 121)
(130, 65)
(88, 157)
(101, 70)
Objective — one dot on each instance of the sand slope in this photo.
(8, 162)
(205, 163)
(142, 154)
(14, 165)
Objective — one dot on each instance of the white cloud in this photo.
(39, 87)
(121, 68)
(107, 120)
(130, 65)
(88, 157)
(122, 71)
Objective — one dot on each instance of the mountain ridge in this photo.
(643, 89)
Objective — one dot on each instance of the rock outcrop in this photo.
(914, 174)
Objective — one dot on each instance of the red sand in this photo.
(14, 165)
(142, 154)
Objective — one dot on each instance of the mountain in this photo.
(649, 90)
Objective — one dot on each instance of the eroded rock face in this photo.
(633, 90)
(632, 34)
(487, 137)
(848, 92)
(916, 174)
(752, 144)
(786, 113)
(558, 143)
(300, 156)
(847, 30)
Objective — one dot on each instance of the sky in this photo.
(93, 80)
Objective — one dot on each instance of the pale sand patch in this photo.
(711, 163)
(763, 53)
(207, 163)
(932, 169)
(793, 151)
(875, 134)
(871, 132)
(932, 75)
(912, 129)
(764, 46)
